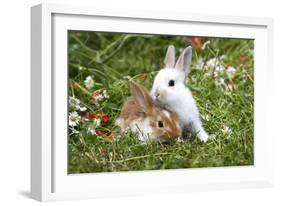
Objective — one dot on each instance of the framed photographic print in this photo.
(135, 102)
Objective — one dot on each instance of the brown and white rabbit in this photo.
(147, 121)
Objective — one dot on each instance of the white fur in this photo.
(167, 114)
(142, 129)
(178, 98)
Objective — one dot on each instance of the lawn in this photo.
(100, 67)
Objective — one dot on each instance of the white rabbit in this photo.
(169, 91)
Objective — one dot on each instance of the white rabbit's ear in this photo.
(184, 60)
(142, 97)
(170, 57)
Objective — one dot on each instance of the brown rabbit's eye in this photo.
(160, 124)
(171, 83)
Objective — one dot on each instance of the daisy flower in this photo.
(73, 119)
(89, 82)
(74, 103)
(216, 64)
(73, 100)
(226, 131)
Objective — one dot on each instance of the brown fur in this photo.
(140, 106)
(171, 129)
(130, 112)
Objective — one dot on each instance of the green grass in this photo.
(112, 59)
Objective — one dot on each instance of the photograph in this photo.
(139, 102)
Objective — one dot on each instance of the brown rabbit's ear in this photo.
(184, 61)
(141, 95)
(170, 57)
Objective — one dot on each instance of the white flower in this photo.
(82, 109)
(220, 82)
(92, 127)
(226, 131)
(96, 122)
(89, 82)
(216, 74)
(74, 103)
(211, 63)
(216, 64)
(104, 93)
(74, 119)
(91, 131)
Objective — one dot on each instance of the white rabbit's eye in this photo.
(160, 124)
(171, 83)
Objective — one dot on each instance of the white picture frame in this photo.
(49, 178)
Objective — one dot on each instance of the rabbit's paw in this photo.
(203, 136)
